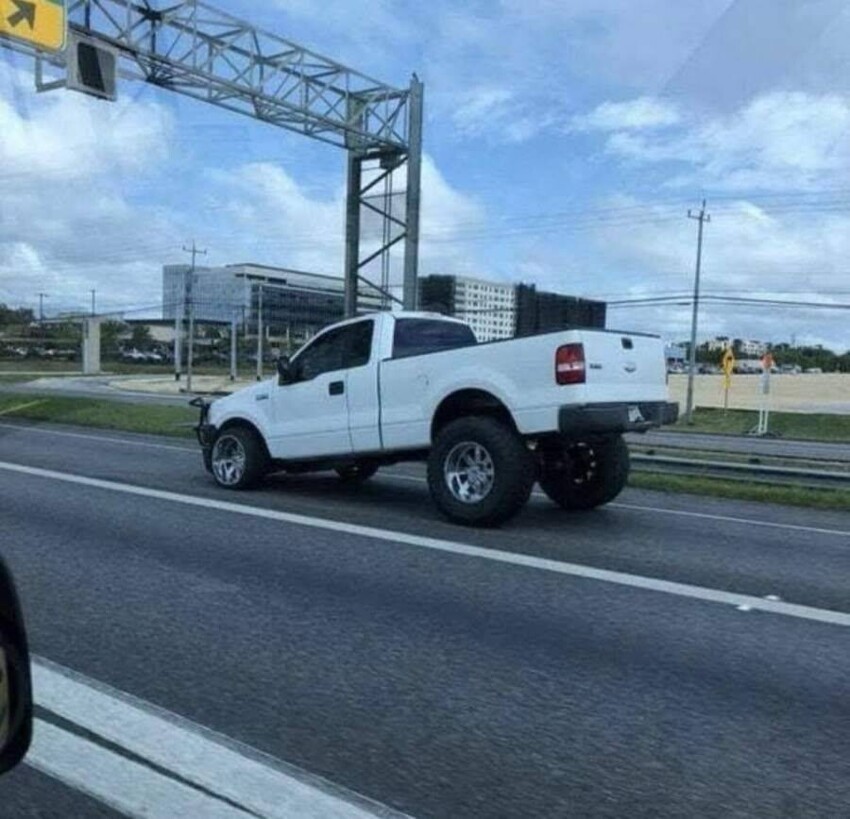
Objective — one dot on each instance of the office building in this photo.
(294, 303)
(488, 307)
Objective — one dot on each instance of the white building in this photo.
(488, 307)
(719, 344)
(754, 349)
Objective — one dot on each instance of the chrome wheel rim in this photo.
(469, 472)
(228, 460)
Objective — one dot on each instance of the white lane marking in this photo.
(130, 787)
(190, 450)
(495, 555)
(794, 527)
(769, 524)
(253, 780)
(100, 438)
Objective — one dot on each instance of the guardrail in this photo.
(759, 473)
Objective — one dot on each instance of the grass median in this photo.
(798, 425)
(153, 419)
(786, 495)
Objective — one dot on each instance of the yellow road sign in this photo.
(728, 362)
(42, 23)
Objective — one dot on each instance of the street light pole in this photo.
(41, 298)
(93, 302)
(702, 217)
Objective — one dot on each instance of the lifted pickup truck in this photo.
(490, 419)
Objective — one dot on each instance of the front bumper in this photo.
(600, 419)
(205, 431)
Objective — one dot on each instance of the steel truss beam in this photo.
(193, 49)
(196, 50)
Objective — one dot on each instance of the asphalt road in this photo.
(436, 682)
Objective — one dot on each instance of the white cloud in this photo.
(498, 115)
(749, 252)
(68, 223)
(779, 141)
(271, 218)
(643, 113)
(68, 137)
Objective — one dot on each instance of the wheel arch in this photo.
(468, 402)
(239, 422)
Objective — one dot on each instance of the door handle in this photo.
(336, 388)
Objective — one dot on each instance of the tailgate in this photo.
(624, 367)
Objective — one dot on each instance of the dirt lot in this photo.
(788, 393)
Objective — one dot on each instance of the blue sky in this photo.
(565, 143)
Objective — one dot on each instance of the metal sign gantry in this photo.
(198, 51)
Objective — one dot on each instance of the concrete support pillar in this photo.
(91, 346)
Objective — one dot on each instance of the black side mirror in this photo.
(15, 682)
(285, 370)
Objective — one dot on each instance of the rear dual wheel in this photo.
(584, 475)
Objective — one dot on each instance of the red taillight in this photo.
(569, 364)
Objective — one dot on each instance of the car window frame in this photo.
(331, 331)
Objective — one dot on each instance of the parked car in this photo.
(490, 419)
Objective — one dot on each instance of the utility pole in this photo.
(93, 302)
(191, 304)
(702, 217)
(260, 331)
(234, 340)
(41, 298)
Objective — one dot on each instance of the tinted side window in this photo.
(417, 336)
(339, 349)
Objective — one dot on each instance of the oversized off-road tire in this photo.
(580, 475)
(358, 472)
(480, 472)
(238, 458)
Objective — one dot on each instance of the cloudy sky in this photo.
(565, 143)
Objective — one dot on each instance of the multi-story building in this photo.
(488, 307)
(497, 310)
(753, 349)
(294, 303)
(719, 344)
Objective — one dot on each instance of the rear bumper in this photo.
(596, 419)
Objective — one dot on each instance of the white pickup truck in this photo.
(490, 419)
